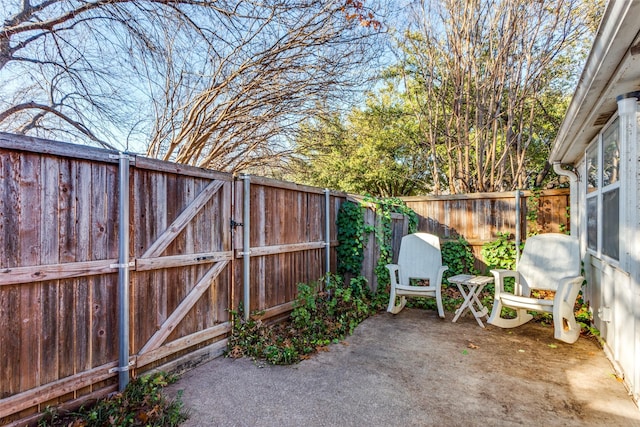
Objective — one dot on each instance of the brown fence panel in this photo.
(59, 275)
(287, 241)
(58, 234)
(479, 217)
(181, 243)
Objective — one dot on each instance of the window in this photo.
(603, 193)
(611, 155)
(592, 223)
(611, 223)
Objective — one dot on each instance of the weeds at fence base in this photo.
(319, 318)
(141, 404)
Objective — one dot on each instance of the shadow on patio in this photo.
(416, 369)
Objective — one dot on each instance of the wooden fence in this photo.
(287, 240)
(60, 227)
(59, 234)
(479, 217)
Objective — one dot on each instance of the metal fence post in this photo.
(246, 244)
(327, 234)
(123, 272)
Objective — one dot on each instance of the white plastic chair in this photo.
(420, 258)
(549, 262)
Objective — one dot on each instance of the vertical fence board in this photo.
(82, 183)
(9, 198)
(160, 200)
(10, 346)
(31, 320)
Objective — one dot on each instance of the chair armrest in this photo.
(441, 271)
(438, 283)
(499, 276)
(393, 273)
(568, 288)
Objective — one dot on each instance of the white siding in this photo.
(613, 289)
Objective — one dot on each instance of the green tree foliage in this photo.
(472, 104)
(375, 150)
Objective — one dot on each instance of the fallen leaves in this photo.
(236, 352)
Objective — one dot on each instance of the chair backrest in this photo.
(419, 258)
(546, 258)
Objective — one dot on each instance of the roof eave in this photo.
(611, 69)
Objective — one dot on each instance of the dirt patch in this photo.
(416, 369)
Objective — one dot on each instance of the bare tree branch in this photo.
(476, 71)
(48, 109)
(214, 83)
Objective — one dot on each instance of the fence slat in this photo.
(171, 261)
(19, 402)
(280, 249)
(181, 343)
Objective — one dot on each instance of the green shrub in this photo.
(458, 256)
(317, 319)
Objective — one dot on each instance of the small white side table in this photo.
(474, 285)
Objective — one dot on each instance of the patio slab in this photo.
(414, 369)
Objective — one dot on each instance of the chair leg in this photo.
(440, 308)
(393, 307)
(571, 333)
(495, 319)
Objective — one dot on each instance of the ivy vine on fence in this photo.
(352, 231)
(350, 250)
(500, 253)
(458, 256)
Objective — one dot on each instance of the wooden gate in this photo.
(182, 246)
(59, 274)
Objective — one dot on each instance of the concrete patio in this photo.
(414, 369)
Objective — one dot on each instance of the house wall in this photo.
(613, 289)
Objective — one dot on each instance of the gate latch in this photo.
(235, 224)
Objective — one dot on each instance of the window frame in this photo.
(598, 192)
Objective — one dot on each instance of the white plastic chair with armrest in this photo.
(549, 262)
(420, 258)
